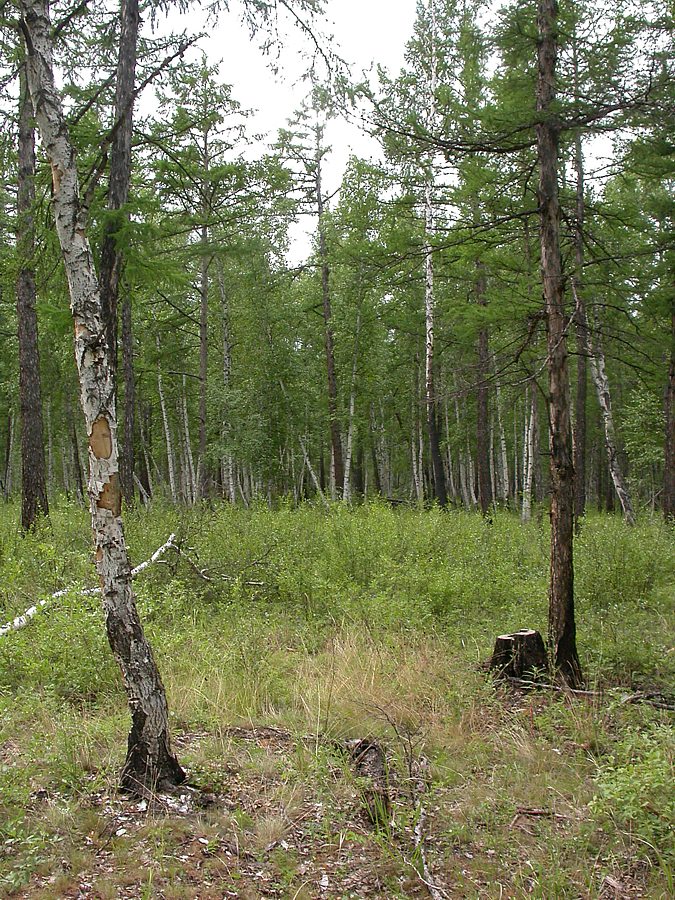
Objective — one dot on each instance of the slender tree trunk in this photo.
(9, 453)
(440, 491)
(33, 481)
(190, 470)
(50, 451)
(669, 422)
(582, 348)
(346, 487)
(170, 456)
(75, 456)
(483, 413)
(127, 461)
(562, 628)
(150, 762)
(329, 340)
(503, 454)
(228, 461)
(120, 172)
(528, 458)
(600, 380)
(203, 336)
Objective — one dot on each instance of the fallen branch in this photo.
(436, 892)
(21, 621)
(204, 574)
(654, 698)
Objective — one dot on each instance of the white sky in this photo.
(365, 32)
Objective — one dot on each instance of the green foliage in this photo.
(634, 791)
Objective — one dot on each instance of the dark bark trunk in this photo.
(329, 341)
(582, 348)
(359, 470)
(33, 480)
(127, 461)
(669, 408)
(77, 465)
(120, 172)
(562, 628)
(482, 424)
(203, 356)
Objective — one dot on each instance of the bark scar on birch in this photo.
(100, 439)
(111, 497)
(56, 178)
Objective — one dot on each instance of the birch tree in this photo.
(150, 762)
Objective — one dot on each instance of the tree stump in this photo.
(519, 655)
(370, 764)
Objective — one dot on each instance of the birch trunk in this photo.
(9, 454)
(150, 762)
(190, 471)
(346, 488)
(562, 628)
(503, 454)
(528, 458)
(601, 382)
(170, 456)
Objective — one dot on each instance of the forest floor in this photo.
(305, 630)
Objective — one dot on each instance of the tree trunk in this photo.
(528, 458)
(483, 414)
(329, 341)
(9, 453)
(503, 454)
(149, 763)
(120, 173)
(170, 457)
(440, 491)
(33, 481)
(127, 461)
(601, 382)
(202, 486)
(562, 628)
(346, 487)
(582, 349)
(669, 421)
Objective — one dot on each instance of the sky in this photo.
(364, 32)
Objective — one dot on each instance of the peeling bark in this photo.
(149, 763)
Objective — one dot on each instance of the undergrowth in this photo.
(339, 624)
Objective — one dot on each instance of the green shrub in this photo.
(635, 791)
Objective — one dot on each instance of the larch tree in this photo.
(562, 628)
(112, 260)
(33, 477)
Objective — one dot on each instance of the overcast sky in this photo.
(364, 32)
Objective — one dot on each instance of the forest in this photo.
(349, 575)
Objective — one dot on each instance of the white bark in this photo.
(170, 458)
(503, 455)
(601, 383)
(528, 457)
(346, 487)
(21, 621)
(149, 759)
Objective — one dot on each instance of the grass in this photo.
(316, 627)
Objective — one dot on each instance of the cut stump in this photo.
(370, 764)
(519, 655)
